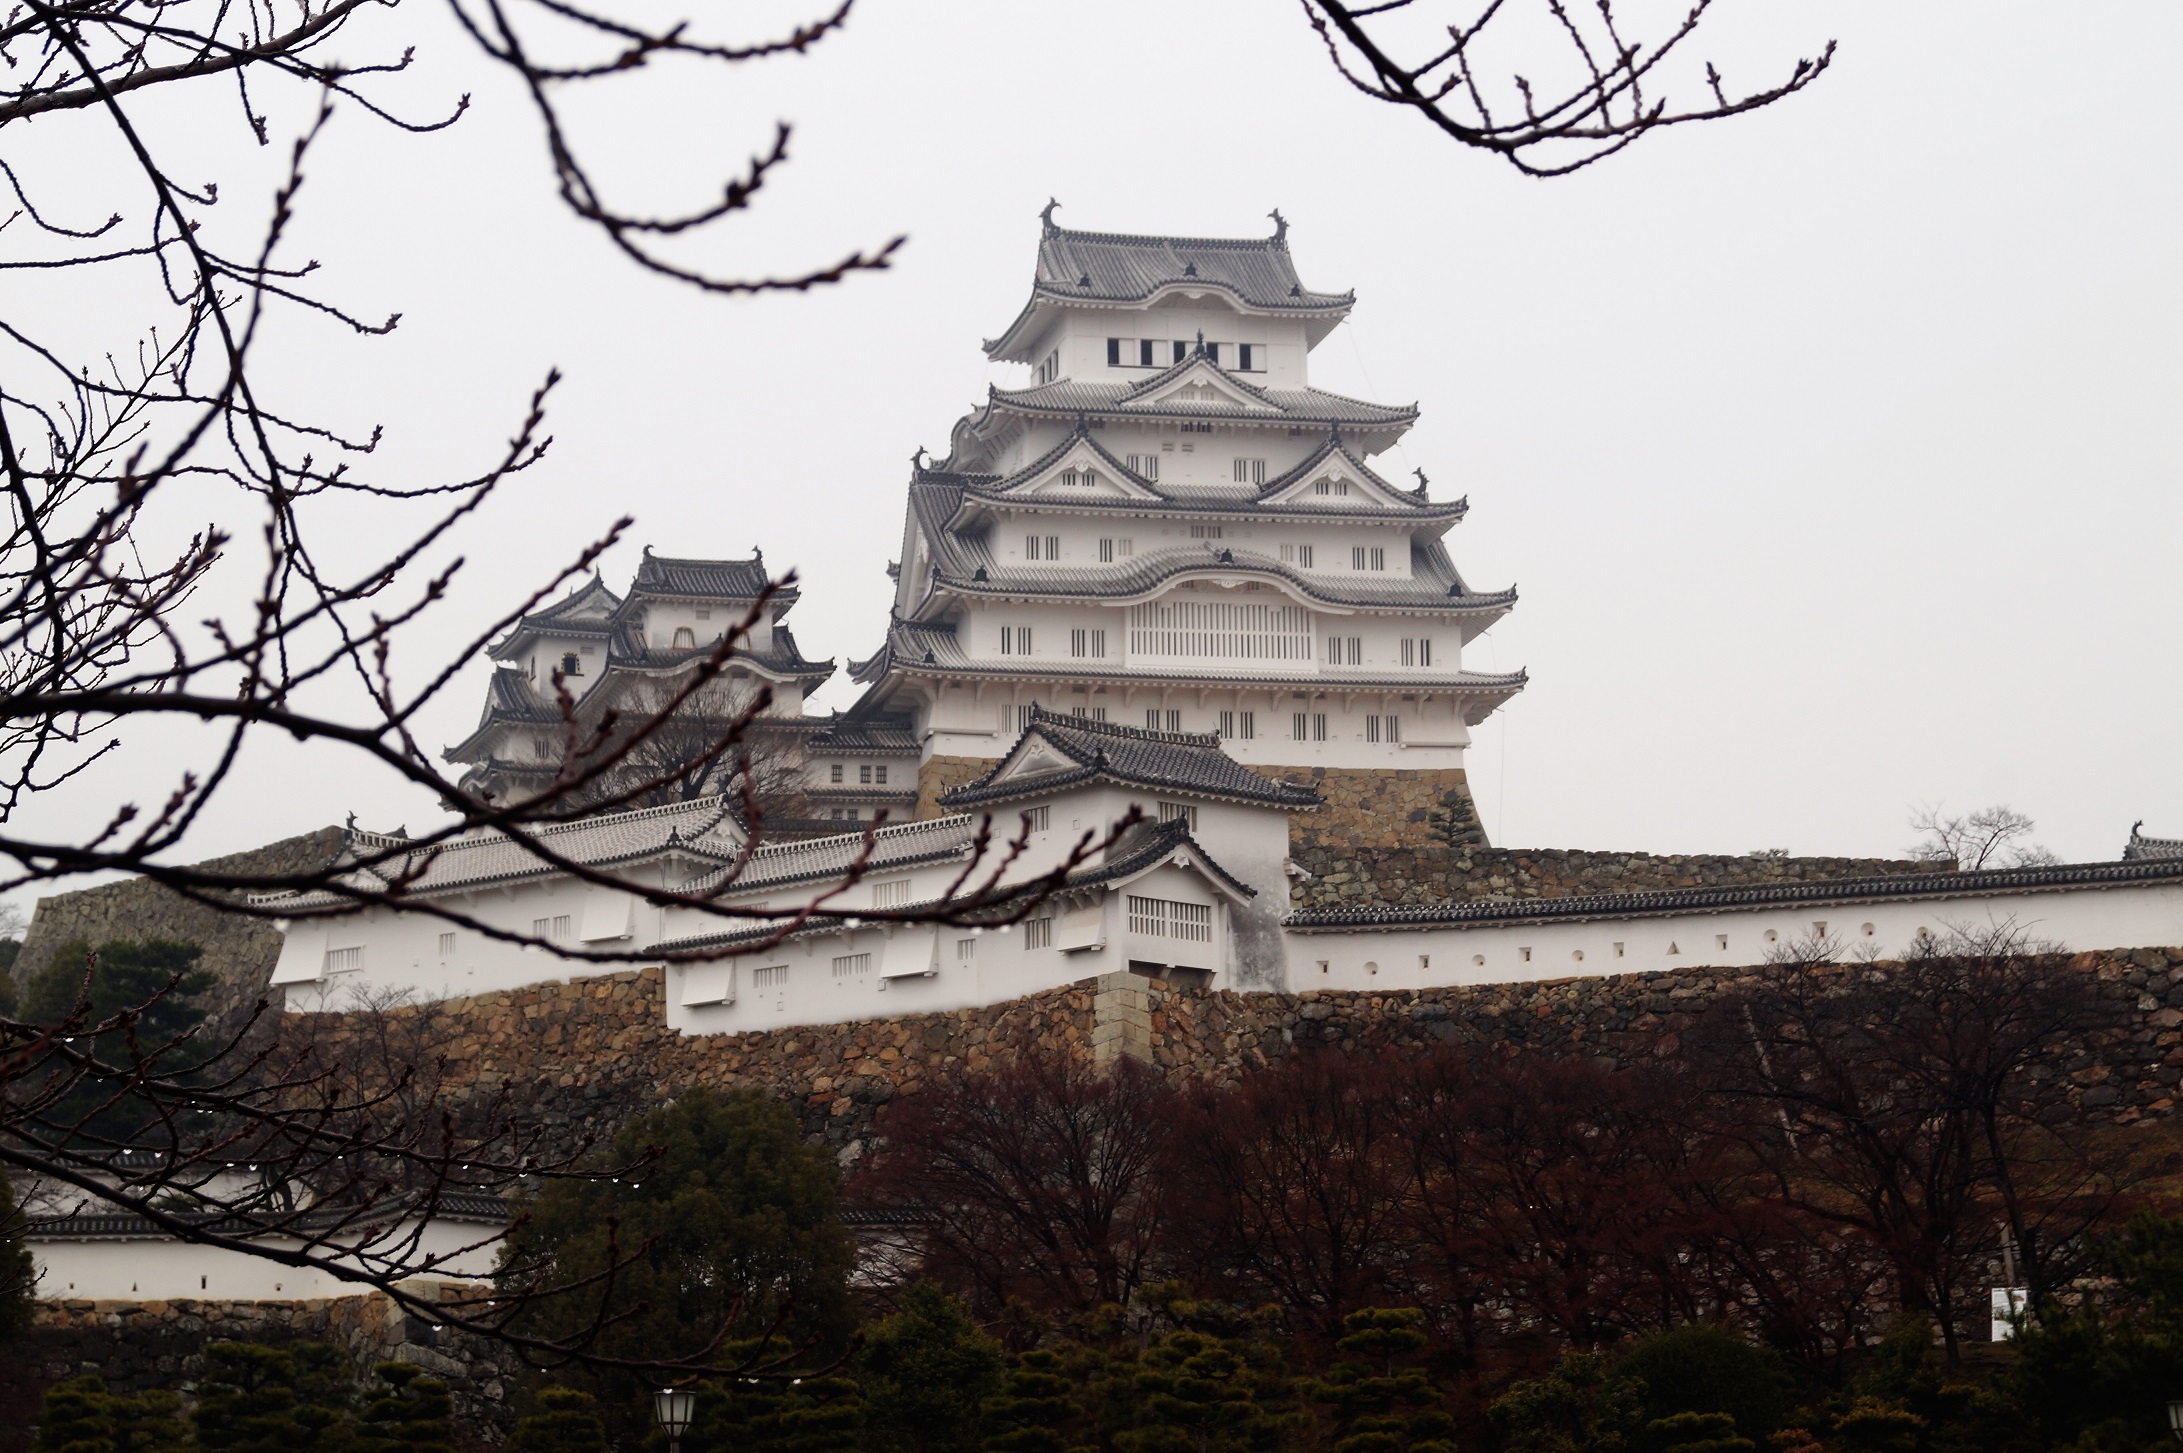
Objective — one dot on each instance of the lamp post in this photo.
(2175, 1419)
(674, 1408)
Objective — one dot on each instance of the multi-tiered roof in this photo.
(1058, 447)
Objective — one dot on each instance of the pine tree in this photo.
(1198, 1393)
(408, 1413)
(1377, 1406)
(567, 1421)
(257, 1399)
(924, 1373)
(1696, 1433)
(1033, 1412)
(775, 1415)
(81, 1416)
(76, 1417)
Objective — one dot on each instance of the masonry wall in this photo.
(590, 1055)
(140, 1345)
(1433, 872)
(242, 951)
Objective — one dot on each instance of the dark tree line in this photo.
(1840, 1147)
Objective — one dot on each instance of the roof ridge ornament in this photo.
(1046, 216)
(1200, 352)
(1280, 234)
(1422, 481)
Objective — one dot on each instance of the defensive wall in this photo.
(140, 1345)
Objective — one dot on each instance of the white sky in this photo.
(1834, 449)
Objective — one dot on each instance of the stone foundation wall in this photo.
(1379, 809)
(936, 775)
(587, 1057)
(242, 951)
(1432, 872)
(139, 1345)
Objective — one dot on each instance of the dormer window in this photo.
(685, 638)
(572, 664)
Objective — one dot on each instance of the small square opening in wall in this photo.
(1478, 961)
(1322, 966)
(1865, 929)
(1618, 951)
(1720, 940)
(447, 945)
(1525, 953)
(1424, 961)
(1371, 966)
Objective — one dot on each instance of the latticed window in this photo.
(1417, 651)
(1166, 918)
(1038, 933)
(891, 894)
(848, 966)
(1087, 641)
(344, 960)
(1220, 630)
(772, 976)
(1183, 812)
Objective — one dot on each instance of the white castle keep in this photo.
(1171, 528)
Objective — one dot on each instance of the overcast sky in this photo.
(1834, 449)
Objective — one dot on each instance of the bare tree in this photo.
(116, 629)
(1472, 70)
(1905, 1105)
(1991, 837)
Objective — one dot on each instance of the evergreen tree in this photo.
(924, 1374)
(1696, 1433)
(816, 1414)
(1034, 1411)
(743, 1217)
(1709, 1369)
(127, 975)
(1199, 1393)
(81, 1416)
(567, 1421)
(408, 1413)
(76, 1417)
(18, 1273)
(1378, 1406)
(1580, 1407)
(2105, 1370)
(292, 1399)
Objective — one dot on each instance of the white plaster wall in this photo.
(2075, 919)
(402, 950)
(1081, 340)
(157, 1268)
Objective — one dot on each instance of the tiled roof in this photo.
(586, 611)
(816, 860)
(1189, 763)
(892, 736)
(1129, 267)
(704, 579)
(1139, 848)
(2141, 848)
(932, 648)
(779, 657)
(115, 1225)
(966, 565)
(702, 827)
(1214, 500)
(1119, 269)
(1983, 883)
(1289, 406)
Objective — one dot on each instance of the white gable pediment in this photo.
(1203, 384)
(1037, 758)
(1083, 474)
(1336, 484)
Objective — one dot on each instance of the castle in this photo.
(1170, 527)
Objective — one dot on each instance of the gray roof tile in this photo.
(1182, 762)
